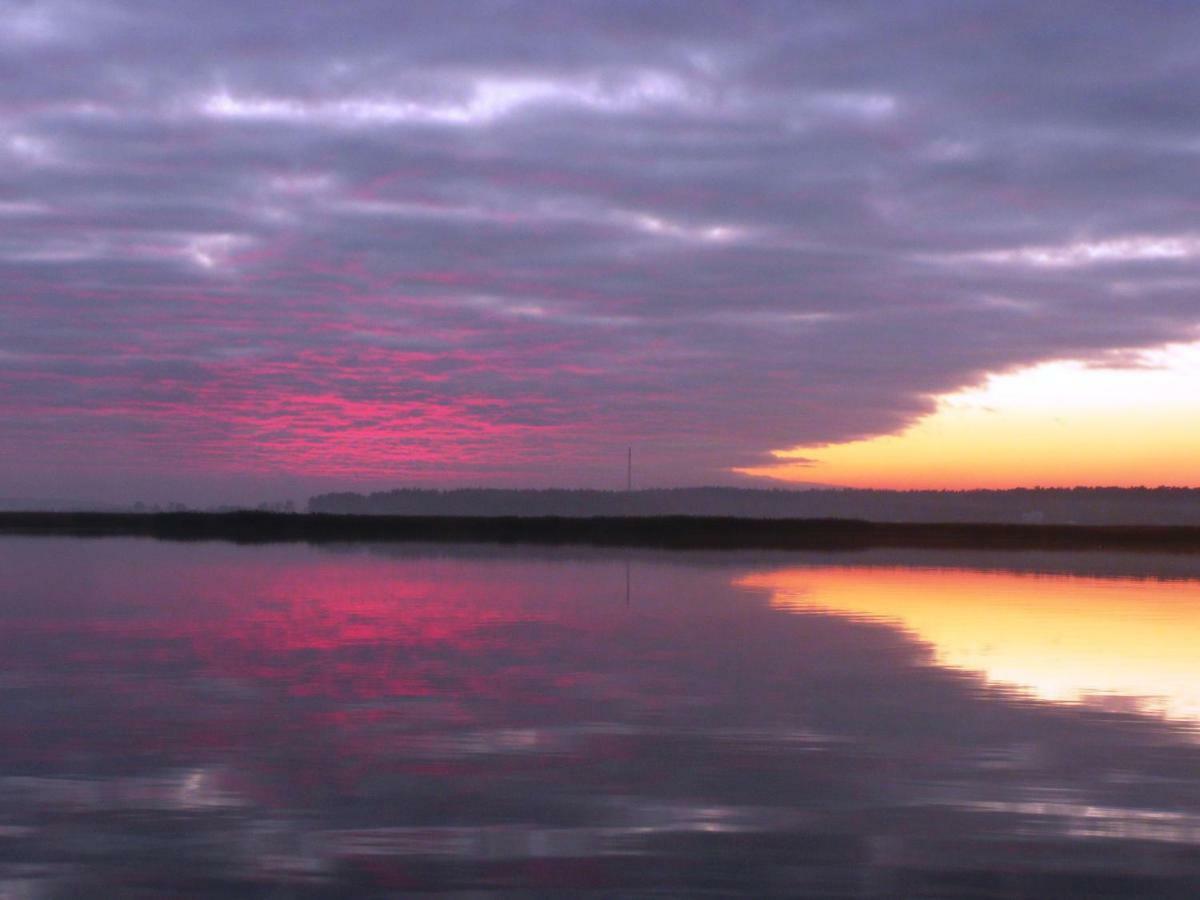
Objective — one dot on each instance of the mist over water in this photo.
(285, 720)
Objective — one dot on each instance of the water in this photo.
(193, 720)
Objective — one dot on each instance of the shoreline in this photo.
(665, 532)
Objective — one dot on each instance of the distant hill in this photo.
(1084, 506)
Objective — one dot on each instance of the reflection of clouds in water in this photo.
(1078, 819)
(1124, 644)
(195, 790)
(286, 715)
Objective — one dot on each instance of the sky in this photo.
(277, 248)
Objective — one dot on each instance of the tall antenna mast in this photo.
(629, 470)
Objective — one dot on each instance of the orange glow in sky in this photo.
(1056, 424)
(1062, 638)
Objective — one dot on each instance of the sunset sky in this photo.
(259, 249)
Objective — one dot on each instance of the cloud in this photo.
(1086, 253)
(320, 242)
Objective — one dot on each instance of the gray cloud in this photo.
(510, 240)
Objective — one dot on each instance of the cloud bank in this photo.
(246, 245)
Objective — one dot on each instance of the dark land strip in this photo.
(671, 532)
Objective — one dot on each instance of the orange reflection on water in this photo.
(1064, 638)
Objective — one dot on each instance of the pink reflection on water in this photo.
(410, 717)
(326, 668)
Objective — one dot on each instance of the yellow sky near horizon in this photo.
(1057, 424)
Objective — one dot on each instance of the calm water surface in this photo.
(290, 721)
